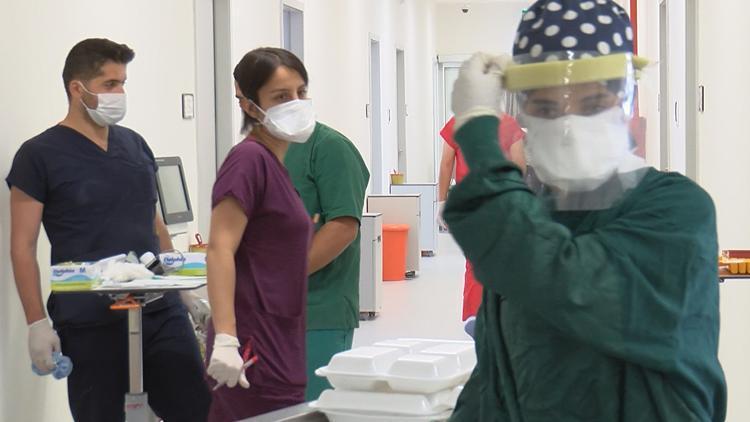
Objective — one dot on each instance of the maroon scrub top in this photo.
(271, 286)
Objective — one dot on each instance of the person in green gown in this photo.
(601, 298)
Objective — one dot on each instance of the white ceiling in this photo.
(470, 2)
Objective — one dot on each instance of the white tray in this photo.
(388, 403)
(342, 416)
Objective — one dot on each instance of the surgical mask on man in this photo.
(110, 107)
(577, 153)
(292, 121)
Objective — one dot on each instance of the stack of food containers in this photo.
(397, 380)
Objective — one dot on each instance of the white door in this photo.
(673, 86)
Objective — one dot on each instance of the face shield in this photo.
(576, 110)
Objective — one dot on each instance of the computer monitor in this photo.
(174, 200)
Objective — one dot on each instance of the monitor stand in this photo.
(177, 229)
(178, 232)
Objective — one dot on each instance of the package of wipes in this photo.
(185, 264)
(72, 276)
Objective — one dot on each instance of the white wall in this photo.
(336, 38)
(254, 23)
(35, 37)
(420, 45)
(648, 85)
(723, 172)
(337, 56)
(488, 27)
(722, 148)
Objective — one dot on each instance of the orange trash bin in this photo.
(394, 251)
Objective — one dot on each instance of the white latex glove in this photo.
(43, 340)
(125, 271)
(441, 222)
(478, 91)
(226, 365)
(197, 307)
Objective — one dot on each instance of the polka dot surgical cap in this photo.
(563, 42)
(552, 30)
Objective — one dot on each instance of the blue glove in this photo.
(469, 326)
(63, 366)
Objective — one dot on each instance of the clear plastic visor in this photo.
(578, 144)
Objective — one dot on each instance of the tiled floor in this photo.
(428, 306)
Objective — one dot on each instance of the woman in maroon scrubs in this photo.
(257, 254)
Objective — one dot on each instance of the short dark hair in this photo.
(85, 59)
(257, 67)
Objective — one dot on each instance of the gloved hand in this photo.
(197, 307)
(442, 226)
(226, 365)
(478, 91)
(43, 340)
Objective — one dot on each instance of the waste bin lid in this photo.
(395, 227)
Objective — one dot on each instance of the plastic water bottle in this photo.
(152, 262)
(63, 366)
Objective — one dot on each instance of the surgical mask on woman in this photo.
(292, 121)
(577, 153)
(110, 107)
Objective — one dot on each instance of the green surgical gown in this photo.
(609, 315)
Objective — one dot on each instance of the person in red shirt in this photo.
(510, 133)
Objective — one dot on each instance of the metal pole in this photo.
(136, 401)
(135, 350)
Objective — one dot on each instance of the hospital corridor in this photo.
(374, 211)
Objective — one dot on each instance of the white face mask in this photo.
(577, 153)
(292, 121)
(110, 108)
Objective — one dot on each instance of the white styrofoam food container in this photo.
(403, 365)
(411, 345)
(423, 373)
(464, 354)
(388, 403)
(361, 368)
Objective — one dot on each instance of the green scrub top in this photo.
(608, 315)
(331, 178)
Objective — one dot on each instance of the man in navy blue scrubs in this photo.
(92, 184)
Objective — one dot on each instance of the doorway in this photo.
(401, 110)
(447, 73)
(293, 30)
(373, 112)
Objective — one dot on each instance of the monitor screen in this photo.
(173, 195)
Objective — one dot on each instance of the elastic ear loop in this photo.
(258, 108)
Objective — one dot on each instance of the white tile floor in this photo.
(428, 306)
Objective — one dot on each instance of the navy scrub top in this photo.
(96, 204)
